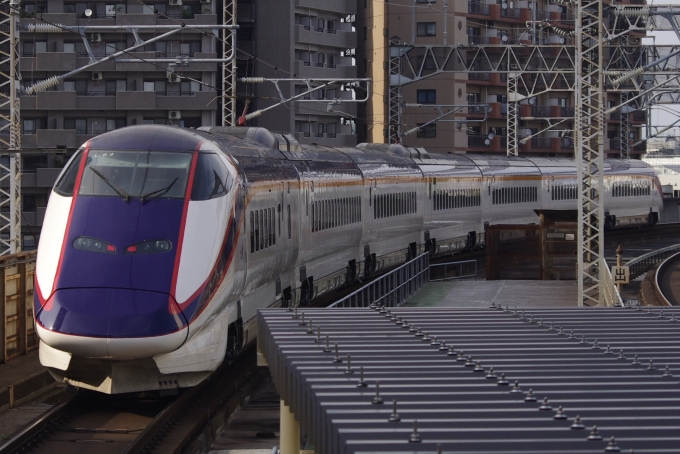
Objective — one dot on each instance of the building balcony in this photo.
(46, 177)
(55, 100)
(135, 100)
(49, 61)
(96, 101)
(176, 100)
(340, 38)
(336, 6)
(478, 9)
(331, 140)
(532, 111)
(197, 19)
(308, 69)
(50, 138)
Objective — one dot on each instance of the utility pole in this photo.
(589, 149)
(10, 131)
(228, 68)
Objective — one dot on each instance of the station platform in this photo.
(519, 294)
(21, 379)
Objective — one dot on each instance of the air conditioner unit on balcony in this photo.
(173, 78)
(175, 2)
(96, 38)
(97, 75)
(174, 115)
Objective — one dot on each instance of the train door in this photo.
(488, 187)
(286, 207)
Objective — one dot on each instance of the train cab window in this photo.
(67, 181)
(211, 178)
(147, 175)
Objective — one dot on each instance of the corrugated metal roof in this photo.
(582, 360)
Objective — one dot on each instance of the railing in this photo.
(612, 298)
(640, 265)
(478, 141)
(17, 329)
(457, 269)
(541, 143)
(513, 13)
(392, 289)
(541, 111)
(479, 76)
(478, 8)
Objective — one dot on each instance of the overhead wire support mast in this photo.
(229, 67)
(324, 82)
(589, 125)
(10, 130)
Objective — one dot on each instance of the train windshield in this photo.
(139, 174)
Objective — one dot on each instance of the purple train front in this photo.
(134, 261)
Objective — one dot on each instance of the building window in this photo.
(79, 124)
(157, 85)
(427, 29)
(31, 48)
(426, 96)
(29, 163)
(156, 8)
(118, 8)
(31, 125)
(427, 132)
(365, 33)
(115, 123)
(331, 61)
(330, 26)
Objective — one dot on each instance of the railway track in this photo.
(148, 423)
(143, 423)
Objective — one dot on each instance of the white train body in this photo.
(238, 219)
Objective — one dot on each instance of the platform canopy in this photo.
(487, 381)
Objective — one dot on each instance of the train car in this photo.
(160, 244)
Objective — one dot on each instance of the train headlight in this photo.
(85, 243)
(149, 247)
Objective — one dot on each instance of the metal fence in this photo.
(393, 288)
(17, 331)
(640, 265)
(453, 270)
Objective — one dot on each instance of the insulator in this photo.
(43, 85)
(255, 114)
(630, 12)
(252, 80)
(45, 28)
(628, 76)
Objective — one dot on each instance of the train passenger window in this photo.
(252, 232)
(257, 230)
(68, 180)
(313, 217)
(261, 227)
(272, 227)
(211, 178)
(289, 223)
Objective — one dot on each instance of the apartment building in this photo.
(481, 126)
(139, 88)
(312, 39)
(115, 94)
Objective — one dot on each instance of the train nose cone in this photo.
(115, 318)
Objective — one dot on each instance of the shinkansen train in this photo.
(160, 244)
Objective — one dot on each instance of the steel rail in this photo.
(212, 401)
(658, 293)
(38, 425)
